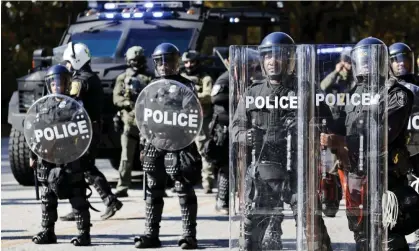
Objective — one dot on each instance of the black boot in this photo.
(189, 210)
(154, 210)
(46, 236)
(111, 209)
(397, 242)
(188, 242)
(83, 225)
(143, 242)
(68, 217)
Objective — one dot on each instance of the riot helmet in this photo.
(58, 80)
(135, 58)
(369, 56)
(77, 54)
(166, 59)
(191, 61)
(401, 59)
(277, 55)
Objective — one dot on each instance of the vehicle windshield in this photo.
(100, 44)
(150, 38)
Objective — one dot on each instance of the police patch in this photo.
(75, 88)
(401, 98)
(215, 90)
(62, 104)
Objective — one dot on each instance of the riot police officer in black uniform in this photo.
(402, 67)
(86, 87)
(216, 148)
(400, 101)
(272, 184)
(159, 163)
(63, 181)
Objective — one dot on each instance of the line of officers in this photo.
(211, 149)
(271, 179)
(180, 170)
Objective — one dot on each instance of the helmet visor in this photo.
(58, 84)
(370, 59)
(402, 64)
(166, 64)
(277, 59)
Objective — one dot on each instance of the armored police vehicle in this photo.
(110, 28)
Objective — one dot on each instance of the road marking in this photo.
(103, 224)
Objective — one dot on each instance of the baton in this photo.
(35, 173)
(289, 146)
(361, 147)
(144, 185)
(324, 148)
(221, 58)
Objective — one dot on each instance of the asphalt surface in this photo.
(21, 214)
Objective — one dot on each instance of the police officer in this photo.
(72, 184)
(203, 86)
(158, 163)
(127, 88)
(400, 101)
(268, 182)
(402, 67)
(216, 148)
(87, 88)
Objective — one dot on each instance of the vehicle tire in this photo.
(19, 154)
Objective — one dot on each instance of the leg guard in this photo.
(223, 188)
(188, 206)
(154, 204)
(49, 208)
(153, 212)
(81, 211)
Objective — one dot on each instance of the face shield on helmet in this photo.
(166, 64)
(402, 63)
(369, 59)
(58, 83)
(277, 61)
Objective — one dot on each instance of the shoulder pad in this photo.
(403, 94)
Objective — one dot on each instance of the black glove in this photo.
(220, 136)
(255, 136)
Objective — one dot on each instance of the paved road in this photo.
(21, 215)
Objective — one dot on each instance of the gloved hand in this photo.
(254, 136)
(220, 137)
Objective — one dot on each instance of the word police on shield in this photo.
(57, 129)
(168, 114)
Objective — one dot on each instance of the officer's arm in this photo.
(119, 99)
(205, 95)
(218, 95)
(240, 122)
(399, 108)
(329, 80)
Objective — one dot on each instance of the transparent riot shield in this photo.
(269, 121)
(57, 129)
(347, 181)
(168, 114)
